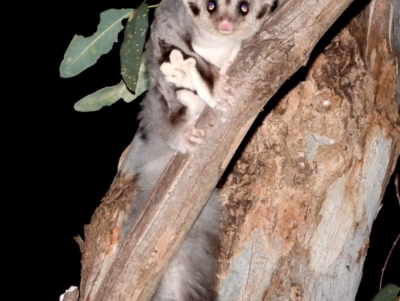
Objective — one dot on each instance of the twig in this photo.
(387, 259)
(396, 185)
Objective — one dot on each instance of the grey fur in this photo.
(167, 126)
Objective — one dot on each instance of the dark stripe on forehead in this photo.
(194, 8)
(228, 2)
(263, 11)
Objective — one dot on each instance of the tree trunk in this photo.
(301, 198)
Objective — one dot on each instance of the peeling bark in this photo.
(301, 198)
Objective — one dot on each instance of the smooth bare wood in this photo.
(282, 47)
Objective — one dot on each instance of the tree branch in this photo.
(281, 48)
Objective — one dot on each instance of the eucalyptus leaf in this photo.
(142, 83)
(104, 97)
(388, 293)
(84, 52)
(132, 46)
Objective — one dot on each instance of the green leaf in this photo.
(132, 46)
(84, 52)
(388, 293)
(109, 95)
(142, 83)
(104, 97)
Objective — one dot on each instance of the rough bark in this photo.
(395, 41)
(274, 235)
(302, 197)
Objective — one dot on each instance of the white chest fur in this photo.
(217, 53)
